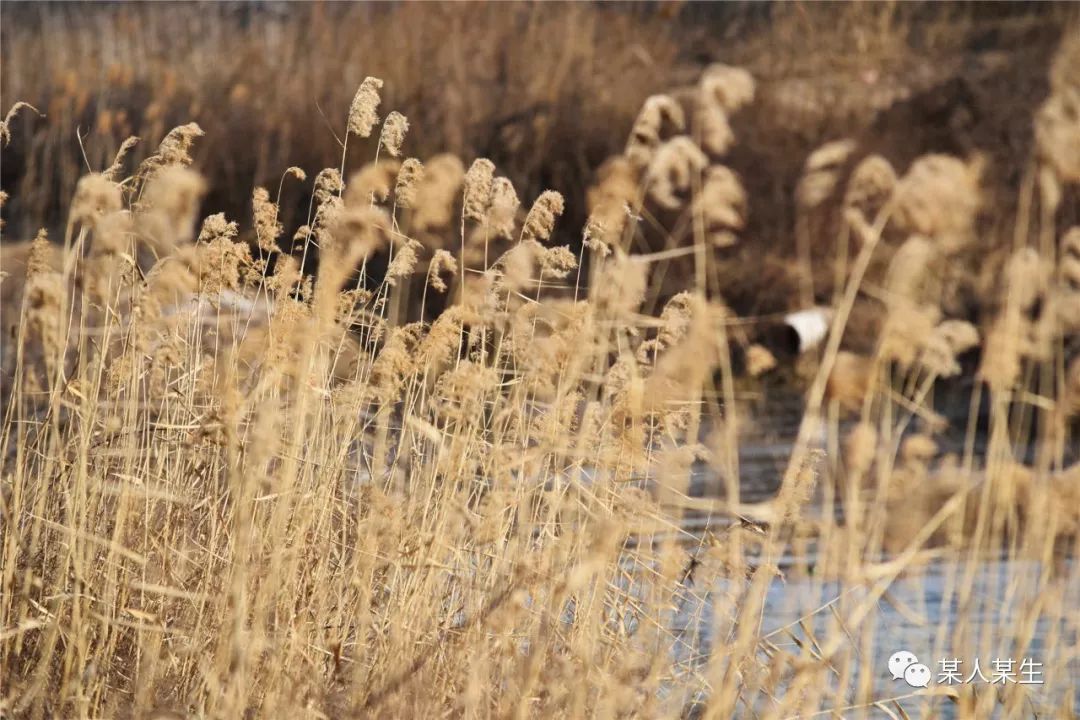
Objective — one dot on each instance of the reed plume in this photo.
(363, 115)
(478, 183)
(669, 173)
(540, 220)
(5, 125)
(658, 113)
(393, 133)
(409, 177)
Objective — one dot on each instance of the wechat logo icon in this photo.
(904, 665)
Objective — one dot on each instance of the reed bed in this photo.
(450, 472)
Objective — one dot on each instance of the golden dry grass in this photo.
(233, 489)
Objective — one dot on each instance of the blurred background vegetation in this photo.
(547, 91)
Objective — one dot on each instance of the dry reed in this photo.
(235, 490)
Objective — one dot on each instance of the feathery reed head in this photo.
(441, 262)
(436, 192)
(216, 227)
(759, 360)
(731, 87)
(722, 90)
(408, 178)
(502, 212)
(403, 264)
(170, 202)
(1057, 121)
(95, 196)
(394, 129)
(363, 115)
(611, 201)
(723, 205)
(175, 148)
(912, 274)
(328, 183)
(113, 171)
(939, 197)
(660, 117)
(372, 183)
(540, 221)
(870, 185)
(40, 259)
(478, 181)
(669, 174)
(821, 172)
(5, 125)
(267, 227)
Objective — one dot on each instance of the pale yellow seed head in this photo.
(403, 264)
(393, 132)
(939, 198)
(5, 125)
(669, 174)
(372, 182)
(540, 222)
(558, 262)
(436, 192)
(759, 360)
(870, 185)
(267, 227)
(713, 126)
(172, 200)
(442, 261)
(41, 254)
(822, 173)
(327, 184)
(113, 171)
(478, 181)
(502, 212)
(660, 116)
(95, 196)
(723, 90)
(216, 227)
(731, 87)
(363, 115)
(723, 205)
(409, 178)
(175, 148)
